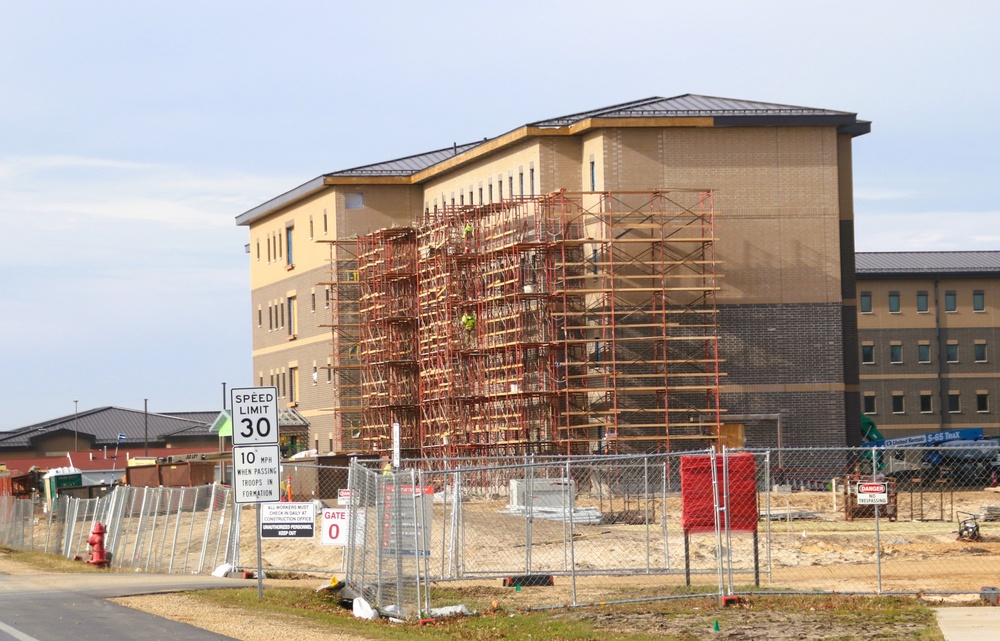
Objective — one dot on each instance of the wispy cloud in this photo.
(926, 231)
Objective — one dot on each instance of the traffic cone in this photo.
(715, 626)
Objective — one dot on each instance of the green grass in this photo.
(48, 562)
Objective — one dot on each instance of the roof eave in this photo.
(291, 197)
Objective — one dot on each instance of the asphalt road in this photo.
(71, 607)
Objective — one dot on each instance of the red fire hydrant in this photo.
(98, 556)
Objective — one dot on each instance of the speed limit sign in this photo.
(255, 415)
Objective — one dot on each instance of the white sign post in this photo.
(256, 455)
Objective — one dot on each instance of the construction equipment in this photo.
(968, 527)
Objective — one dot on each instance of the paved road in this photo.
(71, 607)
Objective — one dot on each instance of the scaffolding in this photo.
(569, 323)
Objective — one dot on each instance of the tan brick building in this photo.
(928, 325)
(780, 177)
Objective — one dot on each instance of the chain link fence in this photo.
(169, 530)
(915, 520)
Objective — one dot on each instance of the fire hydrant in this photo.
(98, 556)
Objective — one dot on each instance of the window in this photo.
(869, 403)
(531, 180)
(510, 183)
(310, 228)
(461, 199)
(924, 352)
(922, 302)
(480, 194)
(951, 352)
(593, 176)
(500, 188)
(954, 402)
(327, 303)
(979, 352)
(926, 403)
(866, 302)
(897, 403)
(293, 384)
(868, 354)
(978, 301)
(288, 245)
(354, 200)
(280, 315)
(982, 401)
(269, 248)
(893, 302)
(260, 316)
(520, 180)
(270, 317)
(292, 316)
(325, 228)
(258, 249)
(312, 298)
(329, 371)
(315, 374)
(950, 301)
(896, 353)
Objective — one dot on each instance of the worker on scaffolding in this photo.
(467, 236)
(468, 322)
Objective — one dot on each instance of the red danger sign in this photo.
(872, 488)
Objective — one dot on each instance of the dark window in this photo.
(979, 301)
(894, 302)
(922, 301)
(593, 176)
(980, 352)
(950, 301)
(288, 245)
(866, 302)
(869, 404)
(925, 403)
(895, 353)
(897, 403)
(260, 317)
(531, 181)
(924, 353)
(868, 354)
(982, 402)
(951, 353)
(520, 182)
(954, 402)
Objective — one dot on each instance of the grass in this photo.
(839, 618)
(49, 562)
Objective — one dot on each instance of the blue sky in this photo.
(133, 133)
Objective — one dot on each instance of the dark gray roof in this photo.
(103, 425)
(408, 165)
(724, 111)
(966, 263)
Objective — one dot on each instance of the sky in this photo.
(133, 133)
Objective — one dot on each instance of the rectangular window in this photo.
(982, 402)
(869, 403)
(327, 293)
(280, 315)
(866, 302)
(461, 199)
(951, 352)
(510, 183)
(950, 301)
(924, 352)
(329, 372)
(868, 354)
(896, 353)
(954, 402)
(978, 301)
(311, 228)
(500, 188)
(593, 176)
(293, 384)
(520, 181)
(922, 302)
(258, 249)
(268, 248)
(325, 228)
(260, 316)
(354, 200)
(893, 302)
(531, 180)
(480, 195)
(926, 403)
(292, 316)
(980, 352)
(312, 297)
(897, 403)
(315, 375)
(270, 317)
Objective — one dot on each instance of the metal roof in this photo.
(104, 424)
(725, 111)
(409, 164)
(967, 263)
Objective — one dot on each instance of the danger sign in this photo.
(872, 494)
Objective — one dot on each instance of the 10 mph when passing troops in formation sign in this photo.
(256, 455)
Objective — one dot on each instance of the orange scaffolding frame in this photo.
(594, 326)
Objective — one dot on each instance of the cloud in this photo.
(926, 231)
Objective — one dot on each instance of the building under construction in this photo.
(568, 323)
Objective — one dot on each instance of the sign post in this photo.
(256, 455)
(875, 493)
